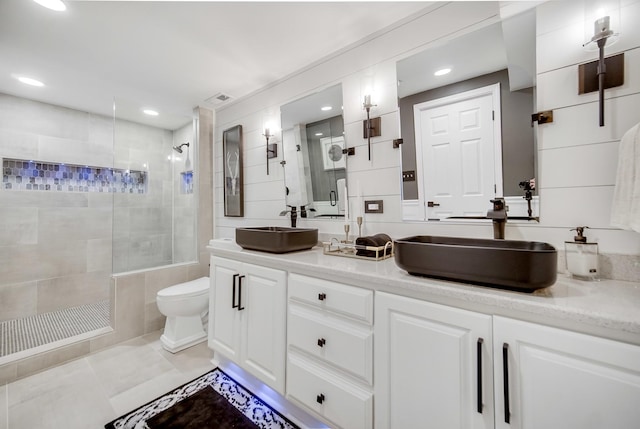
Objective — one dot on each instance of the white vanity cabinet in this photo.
(330, 350)
(562, 379)
(433, 365)
(439, 366)
(247, 321)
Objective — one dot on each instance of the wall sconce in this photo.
(372, 126)
(272, 149)
(609, 72)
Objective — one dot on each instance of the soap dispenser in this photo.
(582, 257)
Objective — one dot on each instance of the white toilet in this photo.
(186, 306)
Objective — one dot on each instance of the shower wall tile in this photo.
(61, 224)
(17, 144)
(20, 263)
(53, 149)
(149, 220)
(17, 300)
(17, 225)
(34, 117)
(156, 280)
(44, 199)
(70, 291)
(101, 200)
(99, 253)
(54, 260)
(101, 132)
(147, 250)
(129, 322)
(153, 319)
(120, 257)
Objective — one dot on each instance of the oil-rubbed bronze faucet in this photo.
(294, 214)
(499, 217)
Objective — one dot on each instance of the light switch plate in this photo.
(373, 206)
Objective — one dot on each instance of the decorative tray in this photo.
(350, 250)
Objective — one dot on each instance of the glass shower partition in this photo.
(155, 206)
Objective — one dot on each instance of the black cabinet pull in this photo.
(322, 296)
(505, 381)
(321, 342)
(320, 398)
(479, 383)
(233, 293)
(240, 307)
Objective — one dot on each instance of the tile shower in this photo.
(83, 196)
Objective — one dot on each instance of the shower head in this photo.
(179, 148)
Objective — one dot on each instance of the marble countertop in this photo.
(606, 308)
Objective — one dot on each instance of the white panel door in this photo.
(457, 149)
(224, 326)
(433, 366)
(262, 298)
(558, 379)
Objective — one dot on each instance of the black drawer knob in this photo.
(322, 296)
(320, 398)
(321, 342)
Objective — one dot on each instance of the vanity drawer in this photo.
(336, 341)
(337, 297)
(340, 402)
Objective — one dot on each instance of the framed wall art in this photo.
(233, 180)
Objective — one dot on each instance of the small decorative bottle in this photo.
(582, 257)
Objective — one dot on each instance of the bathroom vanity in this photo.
(332, 334)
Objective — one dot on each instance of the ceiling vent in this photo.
(219, 98)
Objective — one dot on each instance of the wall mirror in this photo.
(313, 142)
(468, 136)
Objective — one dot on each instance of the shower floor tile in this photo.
(28, 332)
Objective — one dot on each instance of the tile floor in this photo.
(89, 392)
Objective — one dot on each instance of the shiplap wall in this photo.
(577, 159)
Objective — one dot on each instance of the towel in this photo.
(373, 241)
(625, 210)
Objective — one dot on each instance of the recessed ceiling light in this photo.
(30, 81)
(325, 108)
(319, 134)
(150, 112)
(56, 5)
(442, 72)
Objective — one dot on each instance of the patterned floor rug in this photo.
(213, 400)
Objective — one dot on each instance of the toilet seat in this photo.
(183, 290)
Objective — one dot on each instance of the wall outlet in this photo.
(409, 176)
(373, 206)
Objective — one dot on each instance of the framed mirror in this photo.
(465, 112)
(313, 143)
(233, 177)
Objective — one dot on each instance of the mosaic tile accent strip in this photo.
(28, 332)
(251, 406)
(29, 175)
